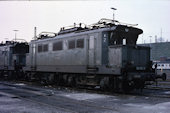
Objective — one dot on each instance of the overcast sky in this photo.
(150, 15)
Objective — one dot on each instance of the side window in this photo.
(39, 48)
(71, 44)
(45, 48)
(80, 43)
(57, 46)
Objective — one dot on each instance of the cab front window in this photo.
(122, 38)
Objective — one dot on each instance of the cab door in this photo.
(91, 51)
(33, 56)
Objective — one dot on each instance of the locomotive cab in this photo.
(133, 61)
(133, 57)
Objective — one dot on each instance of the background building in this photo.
(159, 51)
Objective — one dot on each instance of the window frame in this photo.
(40, 48)
(45, 49)
(58, 47)
(70, 45)
(80, 45)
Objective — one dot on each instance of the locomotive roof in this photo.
(102, 25)
(13, 43)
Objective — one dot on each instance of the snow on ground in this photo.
(162, 106)
(148, 108)
(137, 105)
(16, 105)
(84, 96)
(167, 92)
(9, 103)
(20, 84)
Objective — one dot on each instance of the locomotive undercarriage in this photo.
(117, 83)
(104, 82)
(11, 74)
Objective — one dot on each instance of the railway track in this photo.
(54, 98)
(158, 88)
(152, 91)
(51, 100)
(20, 91)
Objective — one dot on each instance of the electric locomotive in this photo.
(103, 54)
(12, 59)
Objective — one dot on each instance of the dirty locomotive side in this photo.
(103, 54)
(12, 59)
